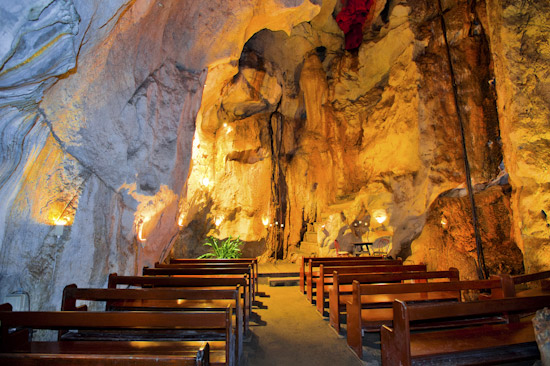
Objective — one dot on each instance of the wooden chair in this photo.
(381, 246)
(339, 252)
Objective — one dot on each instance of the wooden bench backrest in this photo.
(202, 265)
(347, 278)
(115, 320)
(305, 260)
(314, 263)
(71, 294)
(192, 281)
(174, 271)
(462, 309)
(214, 262)
(519, 279)
(211, 260)
(495, 284)
(342, 270)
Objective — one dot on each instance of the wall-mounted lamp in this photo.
(140, 231)
(205, 181)
(265, 221)
(380, 216)
(282, 225)
(218, 220)
(59, 227)
(444, 222)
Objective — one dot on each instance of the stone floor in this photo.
(287, 330)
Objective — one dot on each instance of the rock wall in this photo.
(132, 130)
(98, 109)
(447, 238)
(519, 36)
(355, 132)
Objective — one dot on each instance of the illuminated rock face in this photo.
(447, 238)
(146, 126)
(520, 54)
(357, 132)
(106, 150)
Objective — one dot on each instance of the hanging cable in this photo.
(481, 268)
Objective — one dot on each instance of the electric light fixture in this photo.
(380, 216)
(140, 224)
(59, 227)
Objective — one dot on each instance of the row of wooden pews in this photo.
(369, 294)
(189, 312)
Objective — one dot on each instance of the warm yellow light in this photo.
(229, 129)
(61, 221)
(265, 220)
(444, 222)
(380, 216)
(140, 224)
(180, 221)
(205, 181)
(218, 220)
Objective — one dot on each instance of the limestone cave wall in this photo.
(132, 130)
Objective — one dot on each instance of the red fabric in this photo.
(351, 20)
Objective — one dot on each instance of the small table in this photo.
(359, 248)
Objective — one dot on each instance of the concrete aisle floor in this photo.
(289, 331)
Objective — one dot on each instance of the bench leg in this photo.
(354, 336)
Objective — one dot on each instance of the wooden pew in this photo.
(17, 348)
(207, 282)
(312, 274)
(368, 311)
(252, 261)
(509, 341)
(205, 271)
(208, 265)
(305, 260)
(325, 278)
(341, 289)
(163, 299)
(543, 287)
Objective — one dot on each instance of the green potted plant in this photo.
(223, 249)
